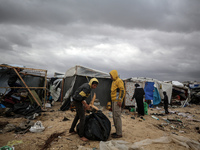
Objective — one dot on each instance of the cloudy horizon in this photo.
(139, 38)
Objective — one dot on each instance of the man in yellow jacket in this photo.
(117, 95)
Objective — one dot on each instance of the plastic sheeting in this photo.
(148, 89)
(156, 97)
(83, 71)
(123, 145)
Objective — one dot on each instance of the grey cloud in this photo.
(5, 44)
(156, 39)
(137, 14)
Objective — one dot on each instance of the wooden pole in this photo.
(27, 87)
(62, 90)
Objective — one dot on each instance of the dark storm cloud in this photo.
(139, 38)
(179, 15)
(4, 44)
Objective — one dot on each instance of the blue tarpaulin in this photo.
(151, 93)
(156, 97)
(2, 106)
(148, 89)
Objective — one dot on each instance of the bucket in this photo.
(145, 108)
(108, 106)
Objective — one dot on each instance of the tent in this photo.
(180, 93)
(153, 89)
(77, 75)
(35, 79)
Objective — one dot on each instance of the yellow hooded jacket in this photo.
(117, 87)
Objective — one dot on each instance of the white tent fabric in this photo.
(83, 71)
(176, 83)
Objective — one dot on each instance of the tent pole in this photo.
(27, 87)
(62, 90)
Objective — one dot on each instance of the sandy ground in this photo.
(134, 130)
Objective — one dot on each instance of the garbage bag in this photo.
(38, 127)
(97, 126)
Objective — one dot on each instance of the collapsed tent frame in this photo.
(26, 87)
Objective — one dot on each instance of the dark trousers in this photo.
(13, 90)
(166, 108)
(80, 114)
(140, 106)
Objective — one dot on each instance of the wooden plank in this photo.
(27, 88)
(37, 97)
(23, 68)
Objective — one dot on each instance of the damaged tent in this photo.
(31, 93)
(76, 76)
(180, 93)
(195, 93)
(152, 87)
(55, 89)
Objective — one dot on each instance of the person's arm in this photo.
(121, 93)
(82, 95)
(134, 95)
(86, 105)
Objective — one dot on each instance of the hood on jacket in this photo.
(114, 74)
(92, 80)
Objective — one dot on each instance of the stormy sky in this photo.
(157, 39)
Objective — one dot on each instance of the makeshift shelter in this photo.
(55, 89)
(76, 76)
(34, 82)
(180, 93)
(195, 93)
(152, 87)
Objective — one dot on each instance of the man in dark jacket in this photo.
(165, 102)
(79, 101)
(139, 95)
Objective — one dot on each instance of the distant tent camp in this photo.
(76, 76)
(152, 87)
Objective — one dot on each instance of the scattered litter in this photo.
(47, 105)
(7, 148)
(132, 117)
(14, 142)
(38, 127)
(65, 119)
(158, 108)
(156, 114)
(155, 117)
(69, 139)
(120, 144)
(110, 114)
(8, 128)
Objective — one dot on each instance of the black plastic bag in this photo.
(97, 127)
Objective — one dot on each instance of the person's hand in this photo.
(119, 104)
(87, 107)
